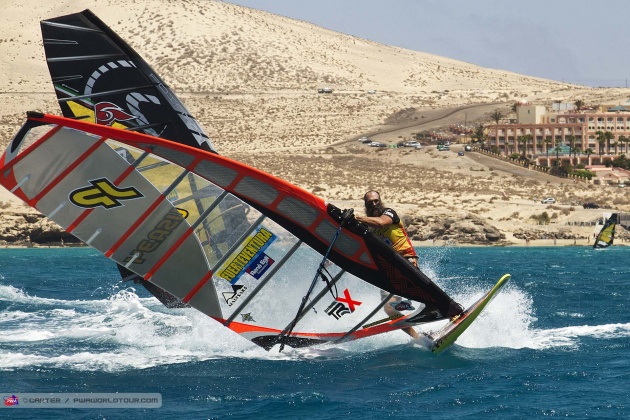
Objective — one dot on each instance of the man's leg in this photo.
(391, 311)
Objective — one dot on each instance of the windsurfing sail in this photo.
(100, 78)
(606, 236)
(154, 207)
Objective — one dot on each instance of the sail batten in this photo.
(52, 23)
(83, 57)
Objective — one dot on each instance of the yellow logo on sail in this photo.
(256, 244)
(102, 193)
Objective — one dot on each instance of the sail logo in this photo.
(259, 267)
(106, 113)
(11, 401)
(232, 297)
(102, 193)
(247, 317)
(404, 305)
(183, 212)
(342, 305)
(156, 236)
(249, 255)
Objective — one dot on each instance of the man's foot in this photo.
(412, 333)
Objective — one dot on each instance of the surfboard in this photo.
(446, 337)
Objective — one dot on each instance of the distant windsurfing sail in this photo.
(235, 243)
(606, 236)
(100, 79)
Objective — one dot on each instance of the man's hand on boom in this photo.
(375, 222)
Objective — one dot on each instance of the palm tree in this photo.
(478, 134)
(497, 116)
(588, 152)
(571, 139)
(575, 151)
(529, 139)
(539, 144)
(522, 141)
(601, 141)
(625, 140)
(547, 144)
(579, 105)
(558, 149)
(615, 144)
(608, 136)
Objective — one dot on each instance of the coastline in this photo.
(533, 243)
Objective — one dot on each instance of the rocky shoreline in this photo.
(31, 229)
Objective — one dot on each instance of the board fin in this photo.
(440, 340)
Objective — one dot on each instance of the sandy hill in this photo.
(251, 76)
(251, 79)
(208, 46)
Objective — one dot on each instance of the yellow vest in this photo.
(396, 236)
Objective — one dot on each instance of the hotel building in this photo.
(576, 134)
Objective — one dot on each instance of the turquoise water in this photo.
(553, 344)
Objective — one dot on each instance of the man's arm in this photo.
(375, 222)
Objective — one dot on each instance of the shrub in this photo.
(541, 219)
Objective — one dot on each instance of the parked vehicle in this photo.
(590, 206)
(365, 140)
(548, 200)
(411, 143)
(468, 148)
(377, 144)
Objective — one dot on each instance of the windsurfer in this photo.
(385, 224)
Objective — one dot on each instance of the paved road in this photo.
(434, 119)
(514, 169)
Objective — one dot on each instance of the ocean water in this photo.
(554, 343)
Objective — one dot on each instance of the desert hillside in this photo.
(251, 79)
